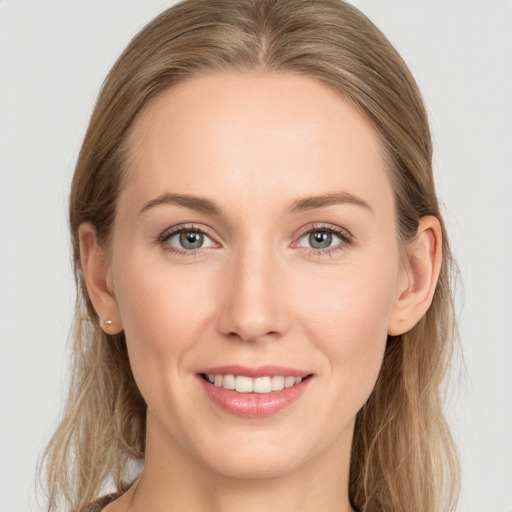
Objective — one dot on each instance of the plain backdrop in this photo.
(54, 56)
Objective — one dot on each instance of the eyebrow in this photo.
(200, 204)
(204, 205)
(310, 203)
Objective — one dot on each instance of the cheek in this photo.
(159, 311)
(348, 318)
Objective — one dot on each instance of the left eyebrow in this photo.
(310, 203)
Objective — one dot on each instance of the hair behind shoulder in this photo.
(403, 455)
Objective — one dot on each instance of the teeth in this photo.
(244, 384)
(289, 382)
(277, 383)
(228, 382)
(262, 385)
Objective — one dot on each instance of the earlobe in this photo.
(419, 277)
(98, 279)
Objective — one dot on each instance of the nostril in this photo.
(252, 336)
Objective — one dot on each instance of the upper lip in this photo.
(254, 371)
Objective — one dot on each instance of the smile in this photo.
(253, 392)
(244, 384)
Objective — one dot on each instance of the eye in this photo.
(319, 239)
(189, 239)
(324, 239)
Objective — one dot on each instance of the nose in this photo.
(254, 297)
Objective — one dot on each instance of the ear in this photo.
(98, 279)
(418, 279)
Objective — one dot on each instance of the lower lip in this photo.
(253, 405)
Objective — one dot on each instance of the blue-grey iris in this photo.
(320, 239)
(191, 239)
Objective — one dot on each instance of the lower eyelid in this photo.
(324, 253)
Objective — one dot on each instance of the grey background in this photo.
(53, 58)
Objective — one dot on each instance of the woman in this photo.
(264, 314)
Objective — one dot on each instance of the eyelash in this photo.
(345, 237)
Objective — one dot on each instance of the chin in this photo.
(259, 453)
(254, 465)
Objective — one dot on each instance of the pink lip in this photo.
(253, 405)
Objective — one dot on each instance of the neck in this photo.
(173, 480)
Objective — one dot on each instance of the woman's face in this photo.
(255, 237)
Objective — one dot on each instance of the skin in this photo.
(257, 292)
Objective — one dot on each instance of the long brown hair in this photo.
(403, 456)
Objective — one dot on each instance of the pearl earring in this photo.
(108, 323)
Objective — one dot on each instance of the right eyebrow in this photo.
(198, 203)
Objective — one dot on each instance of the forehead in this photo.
(232, 133)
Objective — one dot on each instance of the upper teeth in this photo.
(244, 384)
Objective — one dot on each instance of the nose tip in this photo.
(253, 305)
(253, 326)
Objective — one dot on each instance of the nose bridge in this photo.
(253, 306)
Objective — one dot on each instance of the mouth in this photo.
(253, 392)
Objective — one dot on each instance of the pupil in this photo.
(191, 239)
(320, 239)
